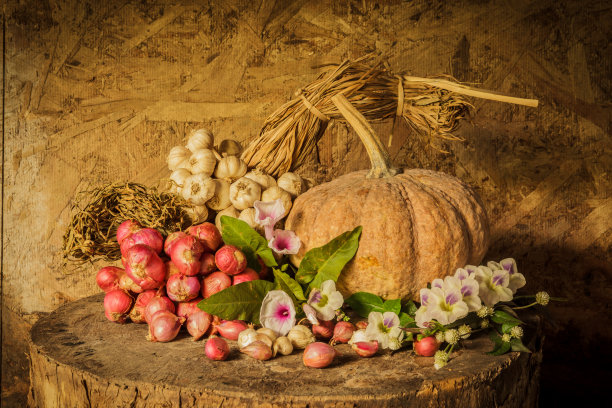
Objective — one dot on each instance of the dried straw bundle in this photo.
(98, 213)
(433, 107)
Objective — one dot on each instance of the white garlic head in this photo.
(291, 183)
(197, 213)
(263, 179)
(230, 168)
(200, 139)
(283, 346)
(248, 215)
(178, 158)
(264, 339)
(198, 189)
(244, 192)
(268, 332)
(229, 147)
(220, 201)
(229, 211)
(275, 193)
(246, 337)
(177, 179)
(202, 161)
(300, 336)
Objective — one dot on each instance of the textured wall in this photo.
(99, 91)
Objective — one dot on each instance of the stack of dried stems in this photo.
(432, 107)
(98, 213)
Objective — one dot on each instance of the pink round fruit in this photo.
(245, 276)
(426, 347)
(207, 263)
(214, 283)
(208, 234)
(230, 260)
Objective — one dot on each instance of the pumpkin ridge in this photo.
(416, 250)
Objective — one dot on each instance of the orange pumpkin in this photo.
(418, 225)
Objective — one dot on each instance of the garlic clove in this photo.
(246, 337)
(300, 336)
(178, 177)
(200, 139)
(229, 211)
(198, 189)
(178, 157)
(248, 215)
(264, 339)
(221, 199)
(202, 161)
(291, 183)
(283, 346)
(268, 332)
(263, 179)
(244, 192)
(229, 147)
(274, 193)
(230, 168)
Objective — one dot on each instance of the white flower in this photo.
(385, 329)
(451, 336)
(493, 285)
(440, 359)
(517, 280)
(326, 300)
(449, 306)
(268, 213)
(422, 316)
(516, 332)
(284, 242)
(277, 312)
(311, 313)
(358, 335)
(542, 298)
(469, 289)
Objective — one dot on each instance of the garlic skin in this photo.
(178, 178)
(264, 180)
(264, 339)
(220, 201)
(229, 211)
(268, 332)
(291, 183)
(200, 139)
(229, 147)
(197, 213)
(230, 168)
(198, 189)
(274, 193)
(244, 192)
(178, 158)
(202, 161)
(300, 336)
(246, 337)
(248, 216)
(283, 346)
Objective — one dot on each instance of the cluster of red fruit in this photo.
(164, 280)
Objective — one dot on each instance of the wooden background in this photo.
(99, 91)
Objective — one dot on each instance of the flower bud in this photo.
(516, 332)
(440, 359)
(542, 298)
(464, 331)
(440, 337)
(484, 323)
(300, 336)
(506, 338)
(451, 336)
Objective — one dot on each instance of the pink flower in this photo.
(311, 313)
(284, 242)
(277, 312)
(268, 213)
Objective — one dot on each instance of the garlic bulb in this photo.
(229, 211)
(220, 201)
(300, 336)
(178, 158)
(268, 332)
(177, 179)
(197, 213)
(230, 168)
(198, 189)
(229, 147)
(291, 183)
(282, 345)
(246, 337)
(248, 216)
(264, 339)
(200, 139)
(244, 192)
(202, 161)
(274, 193)
(263, 179)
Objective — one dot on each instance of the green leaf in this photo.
(503, 348)
(506, 327)
(501, 317)
(393, 305)
(517, 345)
(284, 282)
(363, 303)
(238, 302)
(326, 262)
(410, 308)
(238, 233)
(507, 309)
(406, 320)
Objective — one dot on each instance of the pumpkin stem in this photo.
(379, 157)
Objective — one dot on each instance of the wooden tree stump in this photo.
(79, 359)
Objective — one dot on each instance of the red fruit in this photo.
(146, 236)
(208, 234)
(230, 329)
(323, 330)
(230, 260)
(198, 324)
(216, 348)
(117, 305)
(182, 288)
(127, 228)
(215, 282)
(171, 269)
(186, 309)
(164, 326)
(156, 304)
(246, 276)
(207, 263)
(426, 347)
(126, 283)
(343, 331)
(137, 312)
(108, 278)
(171, 239)
(144, 267)
(186, 253)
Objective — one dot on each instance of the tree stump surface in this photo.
(80, 359)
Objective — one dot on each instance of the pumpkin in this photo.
(418, 224)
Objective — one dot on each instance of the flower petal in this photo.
(390, 319)
(335, 300)
(284, 242)
(311, 313)
(328, 287)
(268, 212)
(277, 312)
